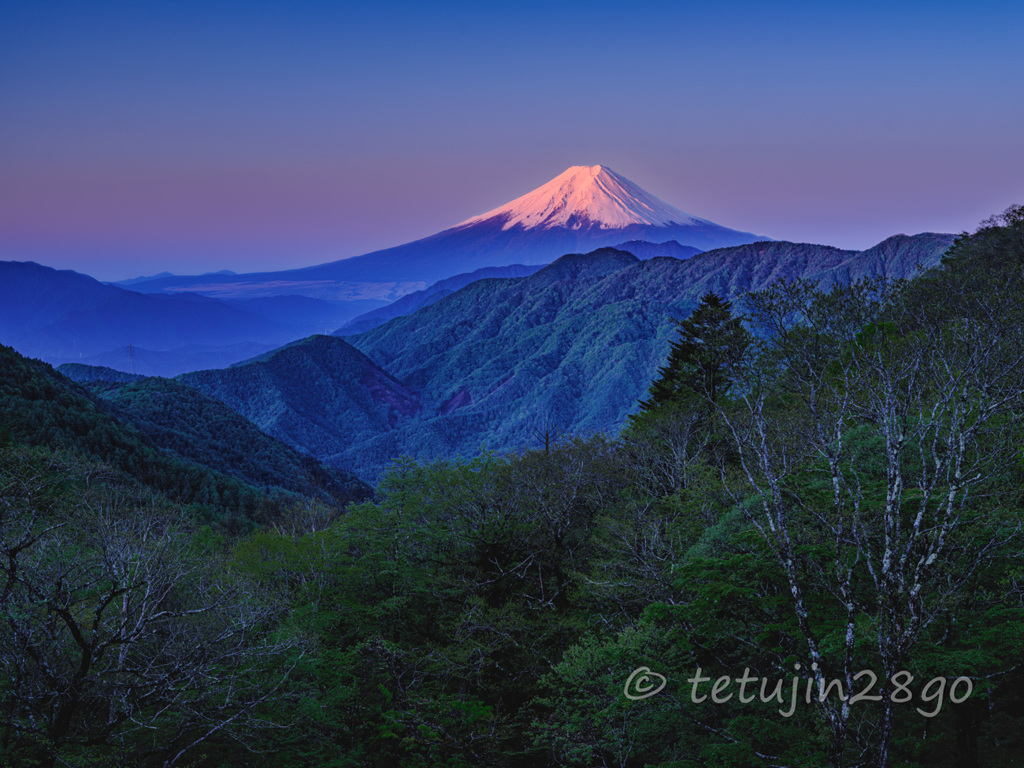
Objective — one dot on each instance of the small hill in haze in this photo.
(670, 248)
(63, 316)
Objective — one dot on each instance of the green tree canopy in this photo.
(697, 363)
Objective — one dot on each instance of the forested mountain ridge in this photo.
(644, 249)
(419, 299)
(85, 374)
(880, 256)
(40, 407)
(201, 429)
(570, 348)
(320, 395)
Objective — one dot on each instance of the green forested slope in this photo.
(570, 348)
(41, 407)
(202, 430)
(320, 395)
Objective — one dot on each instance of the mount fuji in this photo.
(591, 200)
(580, 210)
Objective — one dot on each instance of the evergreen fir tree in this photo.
(697, 362)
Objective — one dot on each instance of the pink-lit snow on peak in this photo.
(585, 195)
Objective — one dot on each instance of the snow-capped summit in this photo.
(581, 196)
(578, 211)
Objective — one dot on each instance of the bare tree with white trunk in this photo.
(873, 419)
(118, 635)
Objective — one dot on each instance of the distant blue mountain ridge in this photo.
(571, 347)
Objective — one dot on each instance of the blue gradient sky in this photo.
(197, 136)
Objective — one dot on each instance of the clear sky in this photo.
(186, 136)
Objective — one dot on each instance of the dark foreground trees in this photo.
(122, 637)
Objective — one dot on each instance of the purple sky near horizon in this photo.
(193, 137)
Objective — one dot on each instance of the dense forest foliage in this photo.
(204, 431)
(170, 440)
(820, 499)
